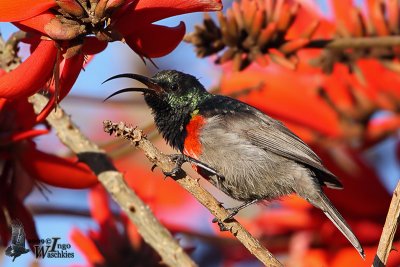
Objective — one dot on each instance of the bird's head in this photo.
(173, 97)
(168, 89)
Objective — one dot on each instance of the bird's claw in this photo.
(153, 167)
(173, 173)
(232, 213)
(179, 160)
(221, 225)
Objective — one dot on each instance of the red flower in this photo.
(67, 24)
(23, 166)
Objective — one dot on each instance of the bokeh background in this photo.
(289, 224)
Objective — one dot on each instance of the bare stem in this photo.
(355, 42)
(148, 226)
(389, 230)
(192, 185)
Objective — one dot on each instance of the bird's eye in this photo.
(174, 87)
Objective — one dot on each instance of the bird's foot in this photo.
(233, 211)
(179, 159)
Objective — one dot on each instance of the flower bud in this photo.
(72, 7)
(57, 30)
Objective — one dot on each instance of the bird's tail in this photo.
(331, 212)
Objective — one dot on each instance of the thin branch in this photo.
(389, 230)
(9, 59)
(139, 213)
(192, 185)
(355, 42)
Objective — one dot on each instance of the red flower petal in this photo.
(348, 257)
(23, 112)
(281, 221)
(56, 171)
(87, 247)
(93, 46)
(23, 9)
(99, 205)
(69, 69)
(70, 72)
(278, 98)
(368, 201)
(342, 11)
(32, 74)
(27, 135)
(4, 231)
(315, 258)
(36, 23)
(145, 12)
(155, 40)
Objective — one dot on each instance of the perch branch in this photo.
(148, 226)
(389, 230)
(192, 185)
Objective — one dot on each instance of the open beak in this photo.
(152, 87)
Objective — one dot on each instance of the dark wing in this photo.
(273, 136)
(17, 234)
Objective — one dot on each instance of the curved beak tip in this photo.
(143, 79)
(153, 87)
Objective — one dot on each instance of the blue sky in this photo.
(118, 58)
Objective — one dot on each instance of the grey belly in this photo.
(250, 172)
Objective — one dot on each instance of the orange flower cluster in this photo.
(252, 31)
